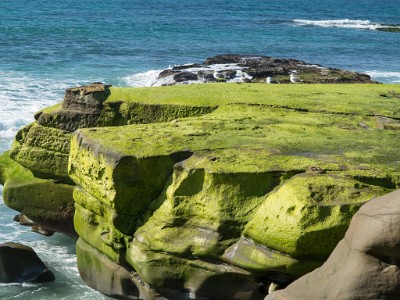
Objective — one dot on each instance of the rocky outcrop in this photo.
(256, 69)
(214, 191)
(364, 265)
(19, 263)
(43, 194)
(46, 205)
(249, 194)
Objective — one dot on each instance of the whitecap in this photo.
(22, 95)
(344, 23)
(385, 76)
(143, 79)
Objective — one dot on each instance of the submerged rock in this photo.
(260, 69)
(19, 263)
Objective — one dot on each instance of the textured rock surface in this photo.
(43, 148)
(250, 68)
(19, 263)
(214, 191)
(364, 265)
(46, 205)
(251, 193)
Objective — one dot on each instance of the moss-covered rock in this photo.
(266, 183)
(48, 203)
(220, 184)
(43, 150)
(43, 146)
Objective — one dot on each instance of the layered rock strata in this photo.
(215, 191)
(41, 150)
(214, 206)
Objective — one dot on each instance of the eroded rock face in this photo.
(256, 69)
(19, 263)
(41, 149)
(364, 265)
(244, 196)
(215, 191)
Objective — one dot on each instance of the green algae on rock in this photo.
(233, 184)
(48, 203)
(269, 173)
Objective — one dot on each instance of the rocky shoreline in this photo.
(256, 69)
(217, 191)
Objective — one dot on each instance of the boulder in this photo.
(19, 263)
(365, 263)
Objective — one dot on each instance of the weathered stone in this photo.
(47, 204)
(209, 182)
(180, 202)
(43, 148)
(19, 263)
(105, 275)
(364, 265)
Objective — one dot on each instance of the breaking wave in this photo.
(346, 23)
(387, 77)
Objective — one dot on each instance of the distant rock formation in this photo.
(364, 265)
(256, 69)
(19, 263)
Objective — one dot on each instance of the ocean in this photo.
(49, 45)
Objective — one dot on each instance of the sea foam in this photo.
(344, 23)
(21, 96)
(387, 77)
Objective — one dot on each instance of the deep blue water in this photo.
(48, 45)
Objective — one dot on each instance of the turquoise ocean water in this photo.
(48, 45)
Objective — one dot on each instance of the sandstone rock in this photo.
(45, 204)
(183, 198)
(193, 202)
(43, 147)
(19, 263)
(364, 265)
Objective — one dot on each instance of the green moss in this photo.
(43, 150)
(261, 260)
(245, 138)
(161, 270)
(43, 201)
(205, 212)
(297, 217)
(13, 172)
(365, 99)
(201, 165)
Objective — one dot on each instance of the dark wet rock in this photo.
(19, 263)
(252, 69)
(365, 263)
(185, 76)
